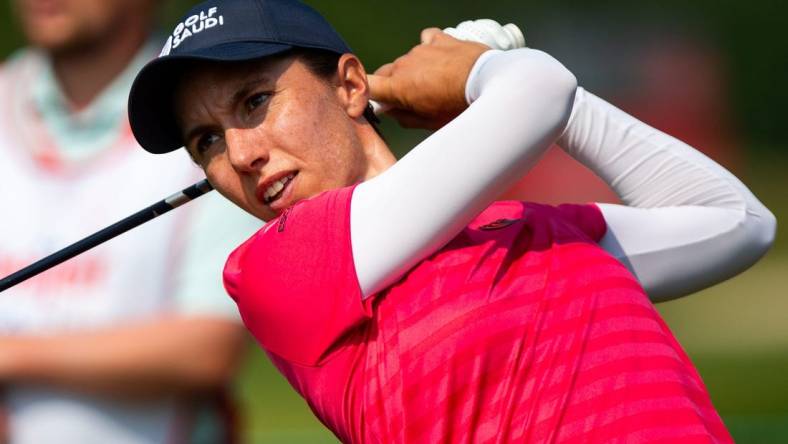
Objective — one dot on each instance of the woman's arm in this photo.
(520, 103)
(687, 223)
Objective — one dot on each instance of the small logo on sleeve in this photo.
(498, 224)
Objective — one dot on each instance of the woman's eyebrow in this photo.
(194, 132)
(246, 87)
(240, 94)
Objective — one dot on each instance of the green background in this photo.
(737, 332)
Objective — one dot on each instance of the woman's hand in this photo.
(425, 88)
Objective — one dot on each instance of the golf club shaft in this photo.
(107, 233)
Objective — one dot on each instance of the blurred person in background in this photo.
(134, 341)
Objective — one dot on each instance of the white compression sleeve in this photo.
(520, 102)
(688, 223)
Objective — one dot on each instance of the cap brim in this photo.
(151, 113)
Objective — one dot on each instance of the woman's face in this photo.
(270, 133)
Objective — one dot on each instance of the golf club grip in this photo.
(186, 195)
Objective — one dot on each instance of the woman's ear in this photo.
(352, 87)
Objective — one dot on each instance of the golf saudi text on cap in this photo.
(222, 31)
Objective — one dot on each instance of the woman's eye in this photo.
(256, 100)
(206, 141)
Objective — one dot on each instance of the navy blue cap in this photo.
(222, 31)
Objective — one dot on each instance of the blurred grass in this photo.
(737, 335)
(274, 412)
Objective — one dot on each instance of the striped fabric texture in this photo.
(521, 329)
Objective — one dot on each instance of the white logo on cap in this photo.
(167, 47)
(193, 24)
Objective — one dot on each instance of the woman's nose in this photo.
(246, 151)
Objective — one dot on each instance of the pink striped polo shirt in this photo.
(521, 329)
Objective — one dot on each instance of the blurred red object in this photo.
(681, 90)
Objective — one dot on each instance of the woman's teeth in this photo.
(277, 187)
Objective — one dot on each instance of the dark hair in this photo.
(323, 64)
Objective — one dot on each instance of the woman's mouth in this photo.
(277, 189)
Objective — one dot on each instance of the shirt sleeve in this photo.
(520, 101)
(687, 224)
(295, 282)
(213, 228)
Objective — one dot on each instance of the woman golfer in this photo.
(400, 300)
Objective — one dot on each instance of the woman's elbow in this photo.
(764, 230)
(554, 80)
(542, 81)
(753, 237)
(566, 85)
